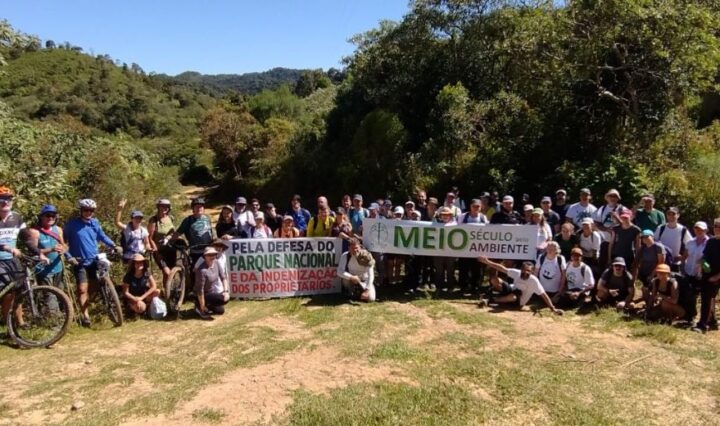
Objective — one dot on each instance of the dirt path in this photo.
(190, 192)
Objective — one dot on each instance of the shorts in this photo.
(53, 280)
(9, 272)
(166, 256)
(85, 274)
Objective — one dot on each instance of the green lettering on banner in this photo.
(241, 263)
(289, 261)
(441, 239)
(428, 237)
(233, 263)
(401, 240)
(464, 240)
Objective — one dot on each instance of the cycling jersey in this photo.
(82, 238)
(197, 231)
(9, 230)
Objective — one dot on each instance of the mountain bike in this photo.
(39, 315)
(181, 277)
(106, 288)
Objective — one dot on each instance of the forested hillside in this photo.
(249, 83)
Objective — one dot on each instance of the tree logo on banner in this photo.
(379, 236)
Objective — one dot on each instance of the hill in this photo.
(250, 83)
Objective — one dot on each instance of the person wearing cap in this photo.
(561, 206)
(288, 229)
(445, 266)
(616, 286)
(650, 255)
(220, 247)
(357, 213)
(393, 262)
(211, 286)
(551, 218)
(663, 300)
(135, 237)
(409, 210)
(474, 215)
(450, 199)
(692, 267)
(459, 203)
(544, 233)
(567, 239)
(48, 237)
(321, 224)
(242, 217)
(225, 227)
(579, 281)
(550, 269)
(524, 282)
(138, 285)
(431, 208)
(506, 215)
(606, 220)
(357, 273)
(590, 242)
(625, 239)
(260, 229)
(421, 201)
(648, 217)
(385, 208)
(160, 227)
(710, 282)
(272, 218)
(470, 270)
(580, 210)
(197, 229)
(674, 236)
(527, 214)
(301, 216)
(374, 210)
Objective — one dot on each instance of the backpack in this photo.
(683, 233)
(668, 254)
(558, 258)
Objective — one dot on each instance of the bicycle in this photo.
(180, 275)
(108, 294)
(39, 315)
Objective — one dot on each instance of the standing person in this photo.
(341, 228)
(606, 220)
(82, 235)
(135, 237)
(379, 257)
(487, 206)
(674, 236)
(160, 228)
(421, 204)
(692, 269)
(649, 217)
(225, 227)
(48, 238)
(254, 206)
(567, 239)
(625, 239)
(561, 207)
(288, 229)
(527, 214)
(524, 281)
(260, 230)
(550, 269)
(663, 300)
(300, 215)
(357, 213)
(590, 242)
(322, 204)
(356, 270)
(197, 229)
(432, 207)
(459, 203)
(211, 286)
(710, 281)
(471, 271)
(394, 262)
(650, 255)
(506, 215)
(445, 266)
(616, 286)
(242, 216)
(450, 204)
(321, 225)
(272, 219)
(346, 203)
(579, 281)
(551, 218)
(138, 285)
(544, 233)
(580, 210)
(409, 210)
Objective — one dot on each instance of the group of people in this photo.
(586, 254)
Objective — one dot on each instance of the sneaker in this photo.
(698, 329)
(85, 322)
(483, 303)
(203, 315)
(433, 287)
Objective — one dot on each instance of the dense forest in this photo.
(485, 94)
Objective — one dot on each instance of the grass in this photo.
(208, 415)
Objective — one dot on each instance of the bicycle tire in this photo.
(175, 289)
(112, 302)
(47, 327)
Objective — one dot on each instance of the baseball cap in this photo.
(702, 225)
(398, 210)
(269, 206)
(48, 208)
(585, 191)
(357, 197)
(546, 199)
(673, 209)
(374, 206)
(136, 213)
(260, 215)
(576, 251)
(416, 214)
(527, 207)
(561, 191)
(450, 194)
(218, 242)
(587, 221)
(485, 195)
(647, 195)
(137, 257)
(537, 211)
(288, 217)
(409, 203)
(619, 261)
(433, 200)
(240, 200)
(647, 233)
(613, 192)
(508, 199)
(663, 268)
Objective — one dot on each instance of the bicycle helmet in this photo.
(87, 203)
(6, 192)
(198, 201)
(163, 202)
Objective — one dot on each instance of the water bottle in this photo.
(705, 267)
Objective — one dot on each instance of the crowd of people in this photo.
(587, 255)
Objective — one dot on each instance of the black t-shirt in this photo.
(566, 246)
(624, 244)
(224, 228)
(552, 219)
(138, 286)
(502, 217)
(561, 211)
(612, 282)
(711, 254)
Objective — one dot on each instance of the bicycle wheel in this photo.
(175, 289)
(46, 315)
(111, 301)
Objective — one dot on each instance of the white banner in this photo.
(461, 240)
(283, 267)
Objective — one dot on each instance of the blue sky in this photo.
(208, 36)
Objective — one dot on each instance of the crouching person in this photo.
(579, 281)
(524, 281)
(139, 287)
(357, 273)
(663, 300)
(616, 286)
(211, 286)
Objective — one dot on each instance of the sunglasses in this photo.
(50, 216)
(87, 210)
(618, 266)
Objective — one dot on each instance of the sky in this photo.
(211, 37)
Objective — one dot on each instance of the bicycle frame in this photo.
(24, 286)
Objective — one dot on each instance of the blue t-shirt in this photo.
(300, 217)
(46, 241)
(356, 217)
(82, 238)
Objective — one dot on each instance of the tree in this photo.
(310, 81)
(232, 134)
(49, 44)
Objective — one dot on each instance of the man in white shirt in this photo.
(580, 210)
(243, 217)
(674, 236)
(606, 219)
(692, 269)
(523, 280)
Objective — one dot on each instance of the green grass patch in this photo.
(398, 351)
(445, 309)
(208, 415)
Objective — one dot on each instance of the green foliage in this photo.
(249, 83)
(310, 81)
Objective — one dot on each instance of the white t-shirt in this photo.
(577, 212)
(134, 241)
(603, 215)
(528, 287)
(550, 272)
(576, 279)
(244, 220)
(590, 243)
(695, 254)
(543, 236)
(672, 238)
